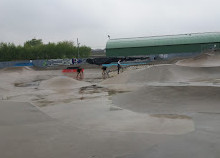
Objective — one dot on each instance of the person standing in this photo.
(119, 65)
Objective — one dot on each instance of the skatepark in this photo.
(147, 111)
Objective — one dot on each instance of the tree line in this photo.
(36, 49)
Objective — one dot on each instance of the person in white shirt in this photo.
(119, 65)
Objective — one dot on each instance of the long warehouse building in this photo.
(170, 45)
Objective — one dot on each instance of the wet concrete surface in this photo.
(20, 113)
(91, 129)
(90, 125)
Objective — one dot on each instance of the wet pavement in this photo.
(90, 129)
(94, 121)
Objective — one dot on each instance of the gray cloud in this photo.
(92, 20)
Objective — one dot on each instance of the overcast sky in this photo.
(93, 20)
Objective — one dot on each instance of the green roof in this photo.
(193, 38)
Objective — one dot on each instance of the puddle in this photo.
(114, 92)
(86, 98)
(28, 84)
(171, 116)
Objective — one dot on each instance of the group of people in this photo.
(104, 71)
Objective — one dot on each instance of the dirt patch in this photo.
(44, 103)
(98, 89)
(92, 89)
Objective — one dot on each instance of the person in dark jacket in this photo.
(79, 73)
(104, 72)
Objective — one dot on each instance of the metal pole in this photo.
(78, 48)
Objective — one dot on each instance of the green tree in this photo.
(34, 42)
(35, 49)
(84, 51)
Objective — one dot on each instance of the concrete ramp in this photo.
(171, 100)
(211, 59)
(166, 73)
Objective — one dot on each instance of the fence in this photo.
(41, 63)
(57, 62)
